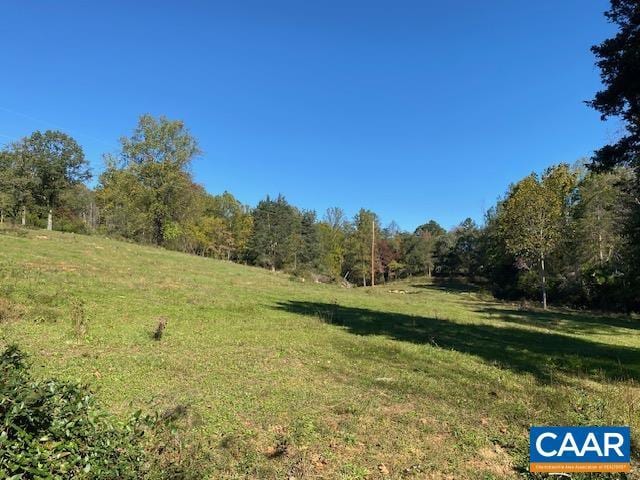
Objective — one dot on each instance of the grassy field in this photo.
(289, 379)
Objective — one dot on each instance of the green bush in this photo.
(52, 429)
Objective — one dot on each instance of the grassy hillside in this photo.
(282, 378)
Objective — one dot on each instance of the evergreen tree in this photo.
(272, 242)
(419, 255)
(463, 257)
(618, 58)
(310, 251)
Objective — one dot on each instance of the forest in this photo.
(566, 234)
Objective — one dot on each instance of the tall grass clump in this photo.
(79, 317)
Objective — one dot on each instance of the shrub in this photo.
(53, 429)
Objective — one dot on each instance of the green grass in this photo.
(283, 378)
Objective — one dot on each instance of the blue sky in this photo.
(414, 109)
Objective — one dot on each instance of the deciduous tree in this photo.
(153, 165)
(532, 217)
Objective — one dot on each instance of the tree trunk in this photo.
(50, 220)
(544, 283)
(373, 243)
(600, 254)
(158, 227)
(92, 223)
(24, 215)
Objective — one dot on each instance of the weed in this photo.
(281, 447)
(160, 327)
(9, 311)
(79, 317)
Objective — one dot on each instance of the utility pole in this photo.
(373, 243)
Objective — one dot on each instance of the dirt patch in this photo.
(50, 267)
(397, 409)
(65, 267)
(495, 460)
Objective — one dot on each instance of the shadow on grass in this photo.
(538, 353)
(565, 322)
(448, 285)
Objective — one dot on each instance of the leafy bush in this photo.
(53, 429)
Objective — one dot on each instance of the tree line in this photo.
(560, 234)
(570, 233)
